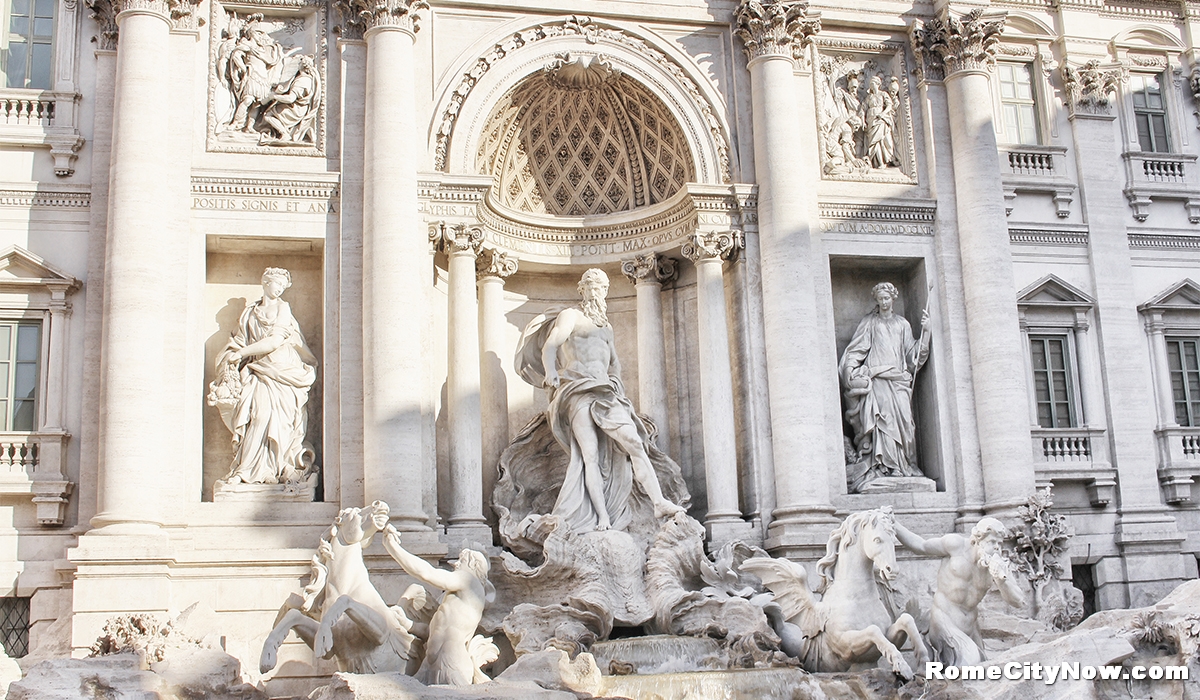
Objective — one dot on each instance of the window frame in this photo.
(1029, 66)
(54, 39)
(41, 317)
(1143, 60)
(1190, 402)
(1163, 111)
(1070, 365)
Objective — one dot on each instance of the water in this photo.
(659, 654)
(737, 684)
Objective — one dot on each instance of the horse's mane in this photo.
(846, 535)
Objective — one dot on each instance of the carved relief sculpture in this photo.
(261, 391)
(862, 117)
(877, 370)
(267, 93)
(573, 355)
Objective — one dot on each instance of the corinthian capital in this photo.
(713, 246)
(358, 16)
(180, 13)
(495, 263)
(947, 44)
(649, 266)
(456, 238)
(775, 27)
(1089, 86)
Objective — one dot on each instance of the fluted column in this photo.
(133, 483)
(465, 522)
(394, 258)
(774, 35)
(648, 273)
(708, 251)
(962, 47)
(492, 268)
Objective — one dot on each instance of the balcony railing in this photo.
(1163, 171)
(1178, 461)
(1163, 176)
(26, 111)
(1039, 170)
(1075, 454)
(32, 464)
(41, 118)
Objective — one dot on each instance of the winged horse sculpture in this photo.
(850, 623)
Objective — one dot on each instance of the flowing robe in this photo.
(270, 416)
(877, 370)
(605, 400)
(881, 126)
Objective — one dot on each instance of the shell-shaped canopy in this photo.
(582, 139)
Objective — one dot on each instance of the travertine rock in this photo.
(554, 669)
(118, 676)
(397, 686)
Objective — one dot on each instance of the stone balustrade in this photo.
(1162, 176)
(32, 464)
(42, 118)
(1038, 170)
(26, 109)
(1075, 454)
(1179, 461)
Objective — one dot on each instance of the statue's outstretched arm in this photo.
(417, 567)
(935, 546)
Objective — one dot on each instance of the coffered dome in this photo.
(581, 139)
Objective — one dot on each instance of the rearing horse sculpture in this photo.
(850, 623)
(341, 614)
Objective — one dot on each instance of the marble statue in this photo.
(880, 118)
(341, 614)
(877, 371)
(851, 622)
(573, 355)
(969, 568)
(261, 391)
(848, 118)
(291, 110)
(454, 654)
(275, 92)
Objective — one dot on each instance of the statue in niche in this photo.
(970, 566)
(276, 93)
(261, 391)
(877, 370)
(573, 355)
(859, 130)
(454, 654)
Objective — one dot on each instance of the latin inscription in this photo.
(244, 204)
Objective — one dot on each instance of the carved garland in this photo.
(592, 34)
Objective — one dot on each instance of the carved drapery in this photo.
(649, 266)
(1088, 87)
(775, 27)
(947, 44)
(707, 246)
(495, 263)
(359, 16)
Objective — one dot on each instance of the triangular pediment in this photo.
(1052, 290)
(1184, 294)
(19, 267)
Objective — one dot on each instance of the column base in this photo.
(722, 532)
(1150, 544)
(460, 536)
(801, 533)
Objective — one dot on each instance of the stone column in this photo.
(775, 34)
(395, 253)
(133, 484)
(1089, 389)
(1146, 533)
(465, 522)
(964, 46)
(648, 273)
(1161, 367)
(492, 268)
(724, 518)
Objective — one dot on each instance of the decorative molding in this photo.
(213, 185)
(592, 33)
(946, 44)
(723, 245)
(453, 239)
(650, 266)
(45, 199)
(1164, 241)
(878, 219)
(361, 16)
(104, 12)
(302, 20)
(1088, 87)
(1034, 236)
(775, 27)
(495, 263)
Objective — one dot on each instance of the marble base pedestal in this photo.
(900, 484)
(293, 492)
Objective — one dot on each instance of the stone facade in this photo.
(435, 176)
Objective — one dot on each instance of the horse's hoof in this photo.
(267, 662)
(902, 669)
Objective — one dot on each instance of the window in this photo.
(1185, 379)
(1150, 113)
(20, 349)
(14, 626)
(28, 44)
(1052, 381)
(1017, 104)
